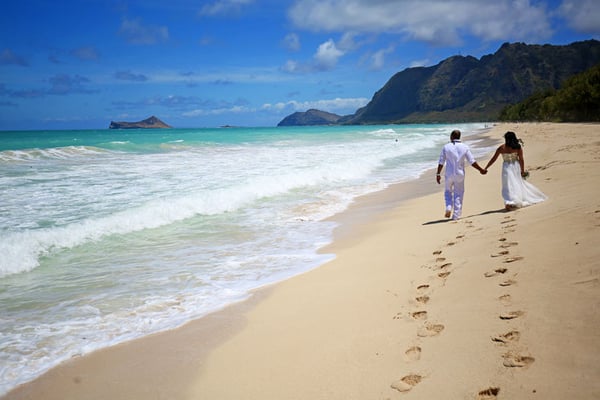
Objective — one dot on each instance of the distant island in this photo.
(310, 117)
(464, 88)
(148, 123)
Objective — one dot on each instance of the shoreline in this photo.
(360, 326)
(357, 214)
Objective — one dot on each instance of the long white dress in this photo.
(516, 191)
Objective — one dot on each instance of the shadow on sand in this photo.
(446, 220)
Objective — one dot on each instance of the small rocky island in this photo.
(148, 123)
(310, 117)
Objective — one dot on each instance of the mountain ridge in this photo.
(467, 89)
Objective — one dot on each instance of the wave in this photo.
(21, 251)
(50, 153)
(387, 132)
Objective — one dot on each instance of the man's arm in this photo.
(478, 168)
(438, 177)
(473, 163)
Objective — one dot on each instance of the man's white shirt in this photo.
(454, 155)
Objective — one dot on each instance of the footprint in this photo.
(413, 353)
(508, 221)
(460, 236)
(407, 383)
(515, 360)
(502, 240)
(430, 330)
(440, 259)
(509, 226)
(513, 259)
(419, 315)
(505, 299)
(422, 288)
(508, 282)
(511, 314)
(450, 244)
(489, 393)
(500, 253)
(495, 272)
(437, 252)
(444, 266)
(444, 274)
(512, 336)
(509, 244)
(422, 299)
(398, 316)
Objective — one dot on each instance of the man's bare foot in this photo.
(448, 214)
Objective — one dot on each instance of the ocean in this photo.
(110, 235)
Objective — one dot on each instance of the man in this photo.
(454, 155)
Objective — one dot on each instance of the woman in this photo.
(516, 192)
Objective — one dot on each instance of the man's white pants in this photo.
(453, 194)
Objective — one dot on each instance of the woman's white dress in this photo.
(516, 191)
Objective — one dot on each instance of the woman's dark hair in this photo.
(511, 140)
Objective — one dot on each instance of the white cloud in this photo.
(347, 42)
(419, 63)
(291, 42)
(337, 105)
(325, 59)
(327, 55)
(435, 21)
(130, 76)
(137, 33)
(378, 58)
(219, 111)
(223, 7)
(294, 67)
(582, 15)
(86, 53)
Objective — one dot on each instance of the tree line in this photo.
(577, 100)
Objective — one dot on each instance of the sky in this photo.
(79, 64)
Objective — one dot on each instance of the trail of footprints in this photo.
(509, 340)
(426, 329)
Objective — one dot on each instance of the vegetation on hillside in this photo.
(465, 89)
(577, 100)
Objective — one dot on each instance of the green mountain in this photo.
(577, 100)
(466, 89)
(310, 117)
(463, 88)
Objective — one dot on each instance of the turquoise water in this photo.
(110, 235)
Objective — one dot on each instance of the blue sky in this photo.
(78, 64)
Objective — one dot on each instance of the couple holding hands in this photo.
(516, 191)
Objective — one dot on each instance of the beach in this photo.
(496, 305)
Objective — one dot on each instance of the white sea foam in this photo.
(20, 251)
(52, 153)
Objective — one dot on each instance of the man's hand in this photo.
(438, 178)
